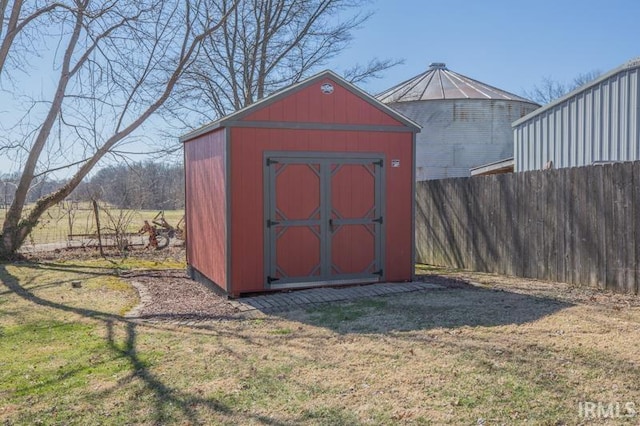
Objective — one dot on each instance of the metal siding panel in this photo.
(632, 114)
(634, 102)
(553, 140)
(580, 136)
(550, 136)
(624, 118)
(517, 148)
(544, 138)
(589, 120)
(563, 161)
(615, 118)
(573, 132)
(600, 123)
(524, 146)
(596, 124)
(522, 149)
(604, 127)
(557, 131)
(604, 118)
(539, 144)
(531, 145)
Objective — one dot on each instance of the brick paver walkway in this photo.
(276, 302)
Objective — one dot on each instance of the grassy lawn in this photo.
(54, 225)
(475, 354)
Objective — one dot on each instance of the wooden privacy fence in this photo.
(579, 225)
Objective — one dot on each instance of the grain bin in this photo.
(465, 123)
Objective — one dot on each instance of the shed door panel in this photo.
(297, 226)
(353, 219)
(323, 220)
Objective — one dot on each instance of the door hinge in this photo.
(270, 161)
(378, 163)
(270, 279)
(379, 220)
(378, 272)
(271, 223)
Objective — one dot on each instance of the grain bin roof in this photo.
(438, 82)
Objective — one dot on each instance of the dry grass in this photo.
(54, 224)
(499, 351)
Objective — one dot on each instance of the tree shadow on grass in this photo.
(166, 399)
(456, 303)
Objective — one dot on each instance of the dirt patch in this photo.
(171, 295)
(175, 253)
(455, 279)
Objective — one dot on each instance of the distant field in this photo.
(64, 219)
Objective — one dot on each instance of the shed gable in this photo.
(324, 100)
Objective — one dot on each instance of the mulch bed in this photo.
(171, 295)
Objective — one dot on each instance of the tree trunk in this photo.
(16, 228)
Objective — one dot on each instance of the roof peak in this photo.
(439, 82)
(228, 120)
(437, 66)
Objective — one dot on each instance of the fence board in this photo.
(579, 225)
(550, 248)
(560, 231)
(636, 223)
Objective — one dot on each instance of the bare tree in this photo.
(584, 78)
(268, 44)
(14, 20)
(119, 62)
(549, 89)
(118, 223)
(142, 186)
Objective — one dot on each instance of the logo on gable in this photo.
(327, 88)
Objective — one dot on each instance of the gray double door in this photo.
(324, 221)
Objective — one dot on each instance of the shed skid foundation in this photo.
(198, 276)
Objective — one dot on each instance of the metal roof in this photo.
(438, 82)
(500, 166)
(629, 65)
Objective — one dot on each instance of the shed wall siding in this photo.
(247, 202)
(205, 177)
(599, 123)
(310, 105)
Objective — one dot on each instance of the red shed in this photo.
(313, 185)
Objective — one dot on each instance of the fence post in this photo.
(97, 213)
